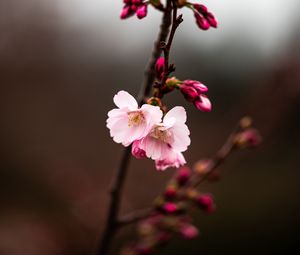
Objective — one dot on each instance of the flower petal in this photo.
(178, 112)
(124, 100)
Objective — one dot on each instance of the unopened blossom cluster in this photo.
(203, 17)
(170, 215)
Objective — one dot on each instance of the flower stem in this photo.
(112, 224)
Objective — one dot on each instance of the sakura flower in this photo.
(128, 122)
(165, 141)
(174, 159)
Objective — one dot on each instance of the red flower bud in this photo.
(201, 22)
(170, 207)
(142, 11)
(211, 19)
(126, 12)
(159, 67)
(189, 92)
(189, 231)
(206, 203)
(183, 175)
(203, 103)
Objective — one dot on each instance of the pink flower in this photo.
(142, 11)
(203, 103)
(128, 122)
(175, 159)
(166, 140)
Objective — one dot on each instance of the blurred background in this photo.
(61, 62)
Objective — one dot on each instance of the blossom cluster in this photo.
(204, 19)
(152, 135)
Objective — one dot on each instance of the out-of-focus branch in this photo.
(233, 141)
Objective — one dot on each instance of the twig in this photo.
(111, 221)
(150, 69)
(166, 47)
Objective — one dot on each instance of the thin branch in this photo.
(166, 47)
(135, 216)
(150, 69)
(111, 221)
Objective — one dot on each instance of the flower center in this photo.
(161, 134)
(135, 118)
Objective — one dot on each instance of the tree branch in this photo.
(111, 220)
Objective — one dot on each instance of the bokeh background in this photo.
(61, 62)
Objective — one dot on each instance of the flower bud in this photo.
(142, 11)
(200, 8)
(189, 231)
(206, 203)
(201, 22)
(183, 176)
(211, 19)
(126, 12)
(170, 192)
(203, 103)
(189, 92)
(248, 138)
(160, 67)
(170, 207)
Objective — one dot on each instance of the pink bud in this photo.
(136, 151)
(211, 19)
(126, 12)
(201, 22)
(170, 193)
(189, 231)
(160, 66)
(126, 1)
(206, 203)
(136, 2)
(203, 104)
(142, 11)
(183, 176)
(201, 88)
(250, 138)
(170, 207)
(201, 8)
(189, 92)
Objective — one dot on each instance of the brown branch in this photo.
(150, 69)
(166, 47)
(111, 221)
(135, 216)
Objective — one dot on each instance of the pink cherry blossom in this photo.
(128, 122)
(167, 140)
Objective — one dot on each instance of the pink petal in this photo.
(178, 113)
(124, 100)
